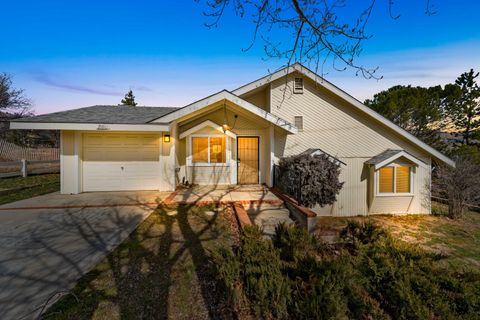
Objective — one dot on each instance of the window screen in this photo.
(298, 121)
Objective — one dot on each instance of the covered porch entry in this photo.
(226, 141)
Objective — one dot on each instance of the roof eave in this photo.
(24, 125)
(297, 67)
(226, 95)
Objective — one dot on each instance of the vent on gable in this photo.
(298, 85)
(298, 121)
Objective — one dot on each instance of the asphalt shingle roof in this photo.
(103, 114)
(387, 154)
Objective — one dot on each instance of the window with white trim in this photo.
(395, 180)
(208, 149)
(298, 85)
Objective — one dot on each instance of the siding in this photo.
(336, 127)
(260, 99)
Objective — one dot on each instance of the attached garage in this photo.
(120, 161)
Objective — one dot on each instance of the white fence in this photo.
(24, 167)
(11, 151)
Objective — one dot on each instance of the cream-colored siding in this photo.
(260, 98)
(333, 125)
(69, 161)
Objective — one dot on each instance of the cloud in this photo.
(48, 80)
(142, 88)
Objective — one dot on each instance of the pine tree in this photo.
(129, 99)
(463, 104)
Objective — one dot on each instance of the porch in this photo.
(262, 207)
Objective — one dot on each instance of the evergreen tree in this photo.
(416, 109)
(463, 104)
(129, 99)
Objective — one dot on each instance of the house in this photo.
(236, 137)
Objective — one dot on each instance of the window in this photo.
(209, 150)
(217, 150)
(199, 150)
(394, 179)
(298, 85)
(298, 121)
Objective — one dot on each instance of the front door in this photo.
(247, 156)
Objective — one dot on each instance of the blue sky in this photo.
(69, 54)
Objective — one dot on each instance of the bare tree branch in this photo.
(320, 30)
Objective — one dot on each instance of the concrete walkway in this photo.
(262, 206)
(48, 242)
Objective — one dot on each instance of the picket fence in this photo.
(13, 152)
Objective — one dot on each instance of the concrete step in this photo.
(268, 217)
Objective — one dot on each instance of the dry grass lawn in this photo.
(458, 240)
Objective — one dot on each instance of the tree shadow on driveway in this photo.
(162, 271)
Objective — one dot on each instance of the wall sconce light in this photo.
(166, 138)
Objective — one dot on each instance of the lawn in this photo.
(36, 185)
(458, 240)
(161, 271)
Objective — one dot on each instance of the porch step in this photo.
(269, 216)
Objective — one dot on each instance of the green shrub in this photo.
(227, 267)
(294, 243)
(356, 233)
(378, 277)
(265, 286)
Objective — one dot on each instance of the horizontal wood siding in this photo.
(334, 126)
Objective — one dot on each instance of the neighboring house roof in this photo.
(226, 95)
(316, 151)
(297, 67)
(390, 155)
(102, 114)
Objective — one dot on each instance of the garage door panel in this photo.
(115, 162)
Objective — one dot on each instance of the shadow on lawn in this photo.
(142, 278)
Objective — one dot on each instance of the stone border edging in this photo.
(241, 214)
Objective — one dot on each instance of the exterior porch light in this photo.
(166, 138)
(225, 126)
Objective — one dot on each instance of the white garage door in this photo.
(117, 162)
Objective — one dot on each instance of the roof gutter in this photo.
(24, 125)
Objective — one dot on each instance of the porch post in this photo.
(272, 154)
(173, 152)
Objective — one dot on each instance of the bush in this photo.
(311, 180)
(371, 276)
(294, 243)
(356, 233)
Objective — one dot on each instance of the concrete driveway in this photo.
(47, 243)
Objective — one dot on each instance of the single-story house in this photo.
(236, 137)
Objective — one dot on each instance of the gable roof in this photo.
(390, 155)
(204, 124)
(228, 96)
(102, 114)
(297, 67)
